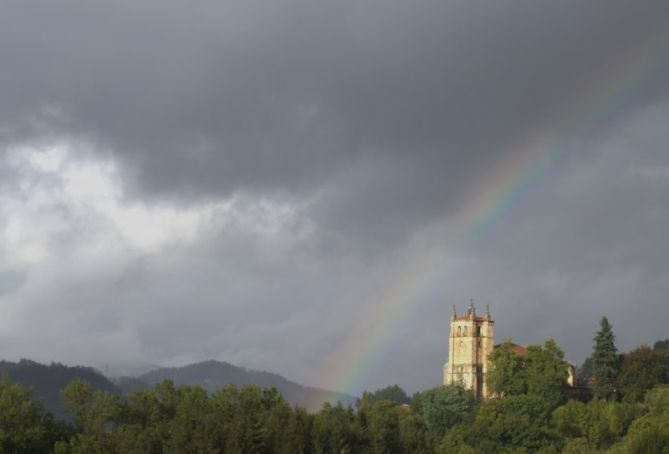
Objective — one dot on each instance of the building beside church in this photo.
(471, 340)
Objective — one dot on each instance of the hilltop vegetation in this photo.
(212, 375)
(46, 381)
(533, 412)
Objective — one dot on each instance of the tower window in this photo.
(478, 330)
(459, 330)
(465, 330)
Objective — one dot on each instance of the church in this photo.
(471, 340)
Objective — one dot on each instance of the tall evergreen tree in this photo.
(605, 361)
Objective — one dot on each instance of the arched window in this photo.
(465, 330)
(459, 330)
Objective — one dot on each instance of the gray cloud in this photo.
(208, 99)
(273, 157)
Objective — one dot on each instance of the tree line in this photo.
(532, 411)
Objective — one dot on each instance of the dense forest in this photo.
(624, 409)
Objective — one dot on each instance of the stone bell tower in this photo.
(471, 340)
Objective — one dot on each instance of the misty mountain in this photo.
(212, 375)
(46, 382)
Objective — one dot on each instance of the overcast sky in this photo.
(244, 180)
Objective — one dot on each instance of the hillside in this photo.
(47, 381)
(212, 375)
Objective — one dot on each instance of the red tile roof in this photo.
(517, 349)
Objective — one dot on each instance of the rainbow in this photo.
(535, 157)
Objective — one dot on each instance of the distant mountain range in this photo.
(46, 381)
(212, 375)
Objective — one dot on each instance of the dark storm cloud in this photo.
(208, 98)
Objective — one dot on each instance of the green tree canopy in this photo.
(383, 427)
(414, 433)
(642, 369)
(445, 406)
(597, 424)
(392, 393)
(337, 430)
(25, 427)
(512, 424)
(540, 371)
(547, 373)
(661, 345)
(507, 374)
(650, 433)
